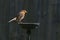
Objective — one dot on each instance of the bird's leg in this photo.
(20, 22)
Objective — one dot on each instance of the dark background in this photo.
(45, 12)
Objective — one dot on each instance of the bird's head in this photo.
(24, 11)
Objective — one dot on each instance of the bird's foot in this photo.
(20, 22)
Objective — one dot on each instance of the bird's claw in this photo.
(20, 22)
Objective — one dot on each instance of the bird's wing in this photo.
(21, 16)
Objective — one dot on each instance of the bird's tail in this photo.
(12, 20)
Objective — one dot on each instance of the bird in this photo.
(19, 17)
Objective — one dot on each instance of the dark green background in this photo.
(46, 12)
